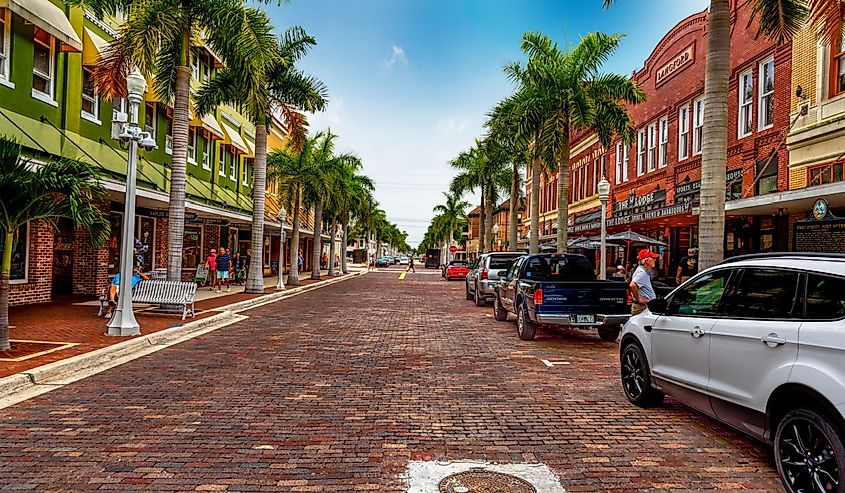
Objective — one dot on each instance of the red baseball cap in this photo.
(644, 254)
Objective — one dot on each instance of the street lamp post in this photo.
(604, 193)
(123, 321)
(496, 234)
(282, 218)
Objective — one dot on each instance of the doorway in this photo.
(63, 258)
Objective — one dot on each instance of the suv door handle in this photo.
(697, 332)
(773, 340)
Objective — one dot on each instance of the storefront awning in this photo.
(251, 148)
(92, 47)
(48, 17)
(234, 138)
(792, 201)
(211, 124)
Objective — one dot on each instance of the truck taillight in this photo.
(484, 274)
(630, 299)
(538, 297)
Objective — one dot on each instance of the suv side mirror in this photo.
(658, 306)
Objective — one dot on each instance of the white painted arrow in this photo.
(554, 363)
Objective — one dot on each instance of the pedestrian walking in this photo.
(372, 264)
(238, 268)
(641, 289)
(299, 260)
(688, 266)
(224, 265)
(246, 260)
(211, 268)
(411, 265)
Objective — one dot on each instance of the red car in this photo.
(457, 269)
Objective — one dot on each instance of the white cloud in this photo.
(450, 126)
(332, 116)
(398, 57)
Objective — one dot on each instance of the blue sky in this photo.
(410, 81)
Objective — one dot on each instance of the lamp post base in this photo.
(120, 327)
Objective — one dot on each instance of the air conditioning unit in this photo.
(118, 122)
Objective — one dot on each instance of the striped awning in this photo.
(234, 138)
(212, 125)
(48, 17)
(92, 47)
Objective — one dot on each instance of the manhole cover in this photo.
(482, 481)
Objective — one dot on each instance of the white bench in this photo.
(161, 293)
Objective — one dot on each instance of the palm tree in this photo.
(778, 19)
(451, 215)
(506, 134)
(157, 37)
(358, 192)
(338, 204)
(573, 95)
(279, 87)
(470, 164)
(293, 169)
(63, 188)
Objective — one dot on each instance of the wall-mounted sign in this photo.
(691, 187)
(209, 221)
(648, 215)
(635, 202)
(820, 210)
(681, 61)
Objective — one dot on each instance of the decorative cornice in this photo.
(99, 23)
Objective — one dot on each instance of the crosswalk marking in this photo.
(402, 276)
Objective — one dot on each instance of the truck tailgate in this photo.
(586, 297)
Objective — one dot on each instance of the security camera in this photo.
(125, 135)
(147, 143)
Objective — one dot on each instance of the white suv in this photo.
(757, 342)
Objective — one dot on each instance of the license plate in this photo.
(585, 319)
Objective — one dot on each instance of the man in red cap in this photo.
(641, 290)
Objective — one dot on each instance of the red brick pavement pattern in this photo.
(336, 390)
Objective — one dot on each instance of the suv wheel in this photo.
(809, 453)
(524, 327)
(499, 312)
(636, 378)
(479, 301)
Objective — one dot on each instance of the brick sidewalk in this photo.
(65, 321)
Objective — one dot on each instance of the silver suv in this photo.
(757, 342)
(482, 279)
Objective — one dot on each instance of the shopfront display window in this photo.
(20, 253)
(191, 247)
(144, 232)
(826, 173)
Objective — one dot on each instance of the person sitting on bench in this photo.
(114, 288)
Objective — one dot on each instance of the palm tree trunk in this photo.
(482, 236)
(563, 197)
(5, 270)
(176, 211)
(714, 149)
(255, 276)
(534, 231)
(318, 240)
(343, 267)
(332, 236)
(513, 208)
(293, 276)
(488, 220)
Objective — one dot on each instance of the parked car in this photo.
(482, 279)
(383, 261)
(757, 342)
(396, 259)
(560, 289)
(456, 269)
(403, 261)
(432, 258)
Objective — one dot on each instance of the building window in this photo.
(168, 135)
(20, 254)
(619, 164)
(90, 101)
(192, 145)
(746, 103)
(150, 119)
(221, 168)
(664, 141)
(233, 167)
(641, 152)
(245, 172)
(697, 125)
(683, 133)
(826, 173)
(195, 65)
(838, 66)
(766, 105)
(43, 62)
(4, 44)
(652, 146)
(206, 151)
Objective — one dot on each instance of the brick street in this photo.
(337, 389)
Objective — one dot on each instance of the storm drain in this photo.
(468, 476)
(482, 481)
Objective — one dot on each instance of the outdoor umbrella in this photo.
(632, 237)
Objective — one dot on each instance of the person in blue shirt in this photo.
(114, 288)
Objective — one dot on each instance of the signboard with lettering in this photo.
(636, 217)
(691, 187)
(674, 66)
(210, 221)
(635, 202)
(819, 236)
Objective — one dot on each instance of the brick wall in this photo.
(805, 56)
(38, 287)
(160, 261)
(90, 266)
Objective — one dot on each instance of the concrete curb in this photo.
(58, 372)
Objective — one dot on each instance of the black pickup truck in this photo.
(560, 290)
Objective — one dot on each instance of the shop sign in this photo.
(588, 218)
(649, 215)
(674, 66)
(690, 187)
(635, 201)
(584, 227)
(209, 221)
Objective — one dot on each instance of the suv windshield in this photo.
(499, 262)
(564, 268)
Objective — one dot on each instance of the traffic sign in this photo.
(453, 249)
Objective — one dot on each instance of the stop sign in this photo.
(453, 249)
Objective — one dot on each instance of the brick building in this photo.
(655, 181)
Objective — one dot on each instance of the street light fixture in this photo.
(282, 218)
(496, 233)
(123, 321)
(604, 193)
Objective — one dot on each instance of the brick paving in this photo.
(337, 389)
